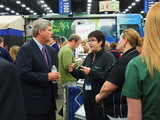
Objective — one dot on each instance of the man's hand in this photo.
(53, 76)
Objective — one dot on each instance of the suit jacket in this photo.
(53, 54)
(55, 45)
(37, 90)
(11, 100)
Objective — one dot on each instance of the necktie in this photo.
(45, 56)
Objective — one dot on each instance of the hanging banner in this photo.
(105, 6)
(148, 4)
(65, 7)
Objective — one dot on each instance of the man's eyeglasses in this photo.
(92, 40)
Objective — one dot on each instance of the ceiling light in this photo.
(17, 13)
(50, 11)
(129, 7)
(1, 6)
(133, 4)
(126, 10)
(41, 1)
(137, 0)
(12, 11)
(89, 0)
(7, 9)
(142, 11)
(88, 10)
(34, 13)
(48, 8)
(45, 5)
(31, 11)
(18, 2)
(89, 7)
(89, 4)
(113, 0)
(27, 8)
(23, 5)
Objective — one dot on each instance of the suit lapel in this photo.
(39, 53)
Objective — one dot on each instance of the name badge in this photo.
(88, 86)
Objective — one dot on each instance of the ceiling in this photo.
(77, 6)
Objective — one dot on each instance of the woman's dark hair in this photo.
(99, 35)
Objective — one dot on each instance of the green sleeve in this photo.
(132, 86)
(67, 58)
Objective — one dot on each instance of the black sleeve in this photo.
(117, 74)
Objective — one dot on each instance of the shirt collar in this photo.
(38, 43)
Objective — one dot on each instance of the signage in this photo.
(148, 4)
(65, 7)
(108, 6)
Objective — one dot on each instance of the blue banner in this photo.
(148, 4)
(65, 7)
(11, 31)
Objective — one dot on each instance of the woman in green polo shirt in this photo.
(142, 85)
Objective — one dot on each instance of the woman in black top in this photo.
(115, 103)
(93, 70)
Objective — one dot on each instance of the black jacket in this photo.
(102, 62)
(116, 104)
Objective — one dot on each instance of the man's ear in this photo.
(40, 31)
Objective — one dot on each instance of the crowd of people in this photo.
(120, 83)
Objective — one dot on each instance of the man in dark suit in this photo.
(34, 65)
(53, 42)
(3, 52)
(11, 100)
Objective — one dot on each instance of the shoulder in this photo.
(5, 65)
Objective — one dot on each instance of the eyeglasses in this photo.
(92, 40)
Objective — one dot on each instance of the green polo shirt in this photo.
(140, 85)
(65, 56)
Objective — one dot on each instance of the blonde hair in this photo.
(87, 45)
(151, 47)
(133, 37)
(13, 51)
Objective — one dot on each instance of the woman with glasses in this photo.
(92, 70)
(115, 104)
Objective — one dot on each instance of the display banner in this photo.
(148, 4)
(65, 7)
(108, 6)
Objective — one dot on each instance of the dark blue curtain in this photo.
(73, 105)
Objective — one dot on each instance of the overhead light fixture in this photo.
(27, 8)
(129, 7)
(137, 0)
(142, 11)
(133, 4)
(17, 13)
(41, 1)
(34, 13)
(89, 7)
(89, 0)
(18, 2)
(31, 11)
(23, 5)
(50, 11)
(45, 5)
(12, 11)
(126, 10)
(7, 9)
(1, 6)
(88, 4)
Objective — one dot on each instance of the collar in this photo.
(130, 51)
(38, 43)
(99, 52)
